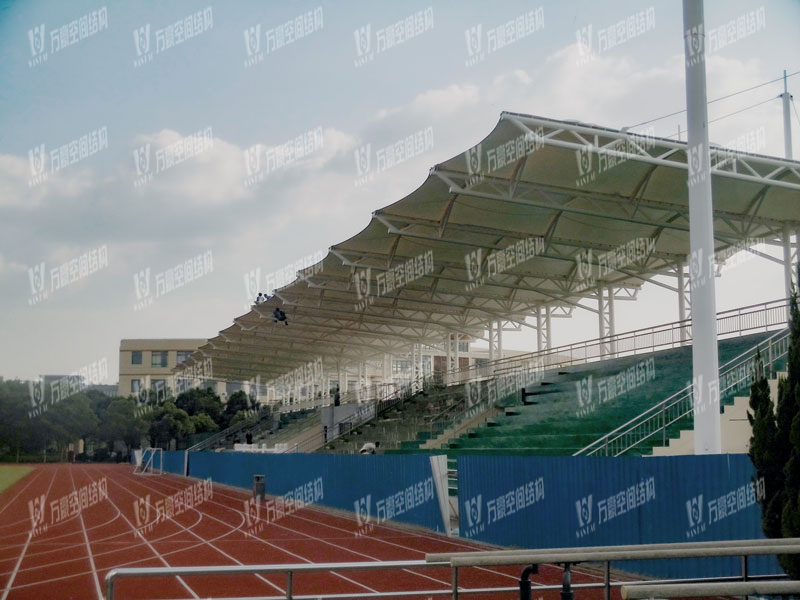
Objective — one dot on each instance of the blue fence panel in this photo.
(173, 461)
(553, 502)
(375, 487)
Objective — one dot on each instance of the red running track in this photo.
(71, 557)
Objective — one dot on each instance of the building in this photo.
(145, 365)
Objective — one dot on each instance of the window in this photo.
(183, 355)
(158, 359)
(136, 385)
(401, 366)
(136, 357)
(463, 347)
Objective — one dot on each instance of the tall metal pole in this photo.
(705, 359)
(787, 122)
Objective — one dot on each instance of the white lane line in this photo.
(25, 549)
(205, 541)
(97, 586)
(36, 475)
(284, 550)
(149, 545)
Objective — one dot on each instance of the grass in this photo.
(9, 475)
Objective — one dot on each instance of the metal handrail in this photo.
(456, 561)
(732, 322)
(777, 345)
(263, 413)
(710, 590)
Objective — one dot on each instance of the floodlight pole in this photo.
(705, 359)
(787, 122)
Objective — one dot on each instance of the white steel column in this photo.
(548, 326)
(788, 271)
(612, 328)
(684, 299)
(601, 319)
(447, 364)
(456, 353)
(499, 327)
(491, 341)
(387, 368)
(787, 120)
(705, 358)
(540, 343)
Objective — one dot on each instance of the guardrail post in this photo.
(607, 581)
(663, 426)
(566, 584)
(289, 585)
(744, 568)
(455, 583)
(525, 583)
(110, 585)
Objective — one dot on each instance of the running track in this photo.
(71, 558)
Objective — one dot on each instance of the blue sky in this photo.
(202, 204)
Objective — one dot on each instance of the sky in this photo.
(112, 86)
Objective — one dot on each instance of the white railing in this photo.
(656, 420)
(730, 323)
(458, 561)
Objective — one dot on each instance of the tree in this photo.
(169, 422)
(197, 401)
(762, 445)
(237, 402)
(119, 422)
(203, 423)
(16, 431)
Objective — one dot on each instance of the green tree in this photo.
(762, 445)
(203, 423)
(196, 401)
(237, 402)
(169, 422)
(16, 431)
(120, 422)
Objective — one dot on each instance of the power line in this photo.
(740, 111)
(677, 112)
